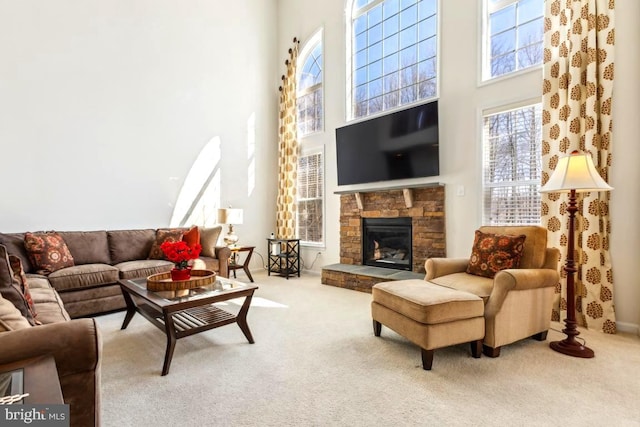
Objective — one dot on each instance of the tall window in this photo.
(310, 197)
(512, 166)
(513, 36)
(393, 54)
(309, 96)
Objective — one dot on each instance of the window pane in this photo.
(529, 10)
(390, 7)
(503, 43)
(408, 17)
(408, 37)
(530, 33)
(426, 8)
(375, 52)
(390, 64)
(390, 45)
(375, 15)
(375, 34)
(390, 26)
(427, 28)
(503, 19)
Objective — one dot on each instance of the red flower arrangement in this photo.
(180, 253)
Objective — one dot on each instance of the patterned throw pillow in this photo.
(18, 274)
(164, 235)
(494, 252)
(48, 252)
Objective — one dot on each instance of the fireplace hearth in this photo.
(387, 242)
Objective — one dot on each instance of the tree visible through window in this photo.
(310, 197)
(394, 54)
(514, 34)
(512, 166)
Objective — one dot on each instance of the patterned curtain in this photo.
(577, 90)
(288, 150)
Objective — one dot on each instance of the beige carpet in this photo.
(316, 362)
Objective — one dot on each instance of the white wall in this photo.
(462, 100)
(104, 106)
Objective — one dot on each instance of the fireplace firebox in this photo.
(386, 242)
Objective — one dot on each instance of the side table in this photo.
(39, 379)
(234, 261)
(284, 256)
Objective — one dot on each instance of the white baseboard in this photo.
(628, 327)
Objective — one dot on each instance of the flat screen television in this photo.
(399, 145)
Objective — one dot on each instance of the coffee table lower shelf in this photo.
(180, 319)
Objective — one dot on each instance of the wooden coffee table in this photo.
(186, 312)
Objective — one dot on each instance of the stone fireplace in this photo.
(422, 205)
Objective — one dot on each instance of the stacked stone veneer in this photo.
(428, 227)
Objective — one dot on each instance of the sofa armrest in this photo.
(223, 253)
(438, 267)
(75, 345)
(518, 280)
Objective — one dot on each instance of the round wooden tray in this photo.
(163, 282)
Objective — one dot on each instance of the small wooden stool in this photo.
(429, 315)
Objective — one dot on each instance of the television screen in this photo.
(399, 145)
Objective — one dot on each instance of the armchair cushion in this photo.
(495, 252)
(10, 317)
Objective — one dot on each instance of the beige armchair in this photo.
(517, 302)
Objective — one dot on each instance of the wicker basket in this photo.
(163, 282)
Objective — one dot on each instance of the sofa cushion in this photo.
(47, 301)
(164, 235)
(129, 245)
(10, 287)
(477, 285)
(209, 240)
(83, 276)
(87, 247)
(494, 252)
(21, 278)
(14, 242)
(48, 251)
(143, 268)
(10, 317)
(206, 263)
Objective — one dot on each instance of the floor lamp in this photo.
(575, 173)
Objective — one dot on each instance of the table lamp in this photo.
(574, 173)
(231, 217)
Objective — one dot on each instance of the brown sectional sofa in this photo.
(89, 287)
(103, 257)
(75, 344)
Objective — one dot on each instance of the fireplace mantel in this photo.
(407, 192)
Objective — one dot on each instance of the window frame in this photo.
(484, 188)
(350, 107)
(485, 76)
(310, 150)
(305, 53)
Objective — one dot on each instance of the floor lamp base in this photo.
(572, 348)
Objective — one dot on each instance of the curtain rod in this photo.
(286, 62)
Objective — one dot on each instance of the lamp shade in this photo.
(229, 216)
(575, 172)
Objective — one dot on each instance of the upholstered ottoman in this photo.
(428, 315)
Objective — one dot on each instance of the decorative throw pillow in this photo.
(494, 252)
(164, 235)
(209, 240)
(48, 252)
(21, 278)
(192, 237)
